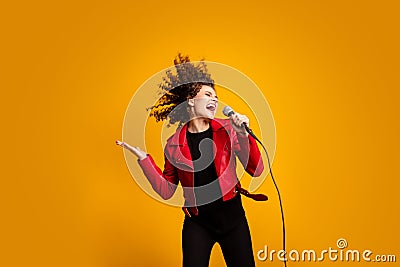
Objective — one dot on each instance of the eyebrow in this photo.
(211, 94)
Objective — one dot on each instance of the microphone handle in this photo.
(249, 130)
(245, 126)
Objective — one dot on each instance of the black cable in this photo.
(277, 189)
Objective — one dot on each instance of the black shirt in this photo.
(214, 213)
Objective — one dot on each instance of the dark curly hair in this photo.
(178, 88)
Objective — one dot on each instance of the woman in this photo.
(201, 156)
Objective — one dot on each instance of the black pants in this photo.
(198, 241)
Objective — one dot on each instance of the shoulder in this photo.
(170, 138)
(174, 135)
(174, 138)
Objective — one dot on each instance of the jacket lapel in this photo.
(182, 152)
(219, 139)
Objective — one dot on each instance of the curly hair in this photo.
(178, 88)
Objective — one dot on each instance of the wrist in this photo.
(242, 134)
(142, 157)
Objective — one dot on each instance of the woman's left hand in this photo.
(237, 121)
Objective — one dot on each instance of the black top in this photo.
(217, 214)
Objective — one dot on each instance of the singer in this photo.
(201, 155)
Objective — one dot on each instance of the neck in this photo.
(198, 125)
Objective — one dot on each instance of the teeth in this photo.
(210, 105)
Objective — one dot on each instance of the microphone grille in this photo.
(227, 111)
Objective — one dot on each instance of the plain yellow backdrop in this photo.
(329, 70)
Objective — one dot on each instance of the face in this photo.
(204, 104)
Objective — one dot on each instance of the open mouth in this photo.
(211, 106)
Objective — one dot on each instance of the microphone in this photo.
(228, 111)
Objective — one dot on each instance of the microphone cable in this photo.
(277, 190)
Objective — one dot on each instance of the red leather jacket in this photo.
(178, 165)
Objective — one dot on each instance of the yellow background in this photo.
(329, 70)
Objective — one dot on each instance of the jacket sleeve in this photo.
(246, 149)
(163, 182)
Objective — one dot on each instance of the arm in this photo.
(245, 146)
(163, 182)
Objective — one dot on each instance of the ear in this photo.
(190, 102)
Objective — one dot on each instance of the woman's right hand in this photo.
(135, 150)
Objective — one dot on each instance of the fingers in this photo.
(120, 143)
(239, 119)
(134, 149)
(123, 144)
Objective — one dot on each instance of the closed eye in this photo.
(210, 95)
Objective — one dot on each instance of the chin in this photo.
(211, 116)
